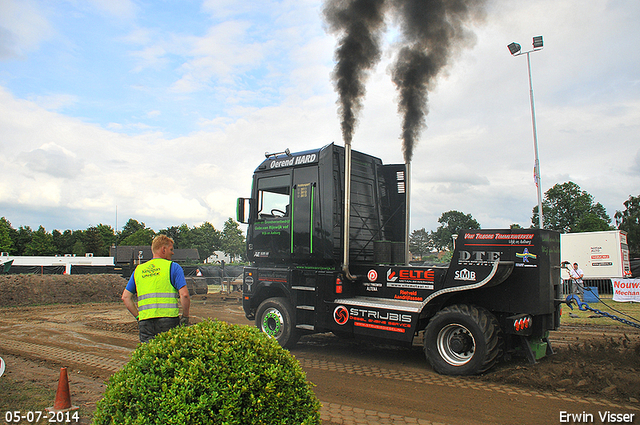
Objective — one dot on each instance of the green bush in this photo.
(209, 373)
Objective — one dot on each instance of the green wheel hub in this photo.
(272, 322)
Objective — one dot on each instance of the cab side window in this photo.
(274, 197)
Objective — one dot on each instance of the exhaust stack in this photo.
(347, 211)
(407, 231)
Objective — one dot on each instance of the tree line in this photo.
(566, 208)
(98, 239)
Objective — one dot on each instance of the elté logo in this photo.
(410, 275)
(391, 276)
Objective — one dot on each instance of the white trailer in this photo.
(68, 260)
(602, 256)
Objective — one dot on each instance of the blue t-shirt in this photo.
(177, 279)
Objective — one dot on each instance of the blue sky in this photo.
(163, 109)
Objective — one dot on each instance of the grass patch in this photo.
(607, 305)
(214, 289)
(29, 397)
(24, 396)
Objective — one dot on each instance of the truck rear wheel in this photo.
(463, 340)
(275, 318)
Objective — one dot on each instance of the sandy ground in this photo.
(595, 369)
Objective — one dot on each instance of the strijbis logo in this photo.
(341, 315)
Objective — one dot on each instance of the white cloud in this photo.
(23, 27)
(220, 54)
(52, 160)
(56, 101)
(120, 9)
(256, 81)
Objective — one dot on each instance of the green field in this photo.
(608, 306)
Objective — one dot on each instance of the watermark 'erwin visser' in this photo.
(606, 417)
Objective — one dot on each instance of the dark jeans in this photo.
(151, 327)
(577, 289)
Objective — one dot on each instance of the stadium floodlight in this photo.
(516, 50)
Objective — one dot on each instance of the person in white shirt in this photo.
(576, 274)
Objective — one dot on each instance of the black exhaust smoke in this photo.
(431, 29)
(360, 24)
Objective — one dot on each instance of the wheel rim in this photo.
(456, 344)
(272, 322)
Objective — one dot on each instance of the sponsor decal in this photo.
(478, 258)
(273, 227)
(408, 295)
(602, 263)
(410, 278)
(372, 275)
(381, 320)
(512, 239)
(296, 160)
(372, 286)
(465, 274)
(391, 276)
(600, 257)
(417, 275)
(380, 327)
(498, 236)
(261, 254)
(526, 255)
(341, 315)
(363, 313)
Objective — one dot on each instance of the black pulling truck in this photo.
(499, 295)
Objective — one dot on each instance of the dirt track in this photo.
(354, 380)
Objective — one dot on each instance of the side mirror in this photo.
(242, 210)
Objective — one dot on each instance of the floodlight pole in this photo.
(515, 51)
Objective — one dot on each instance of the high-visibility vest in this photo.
(156, 296)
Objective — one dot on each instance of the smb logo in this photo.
(526, 255)
(465, 274)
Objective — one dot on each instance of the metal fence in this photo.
(605, 287)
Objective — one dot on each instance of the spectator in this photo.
(576, 274)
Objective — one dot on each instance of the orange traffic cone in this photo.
(63, 398)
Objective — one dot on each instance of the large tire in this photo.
(275, 318)
(463, 340)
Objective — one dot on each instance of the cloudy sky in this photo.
(162, 110)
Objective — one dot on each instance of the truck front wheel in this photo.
(275, 318)
(463, 340)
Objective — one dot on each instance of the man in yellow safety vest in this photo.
(158, 284)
